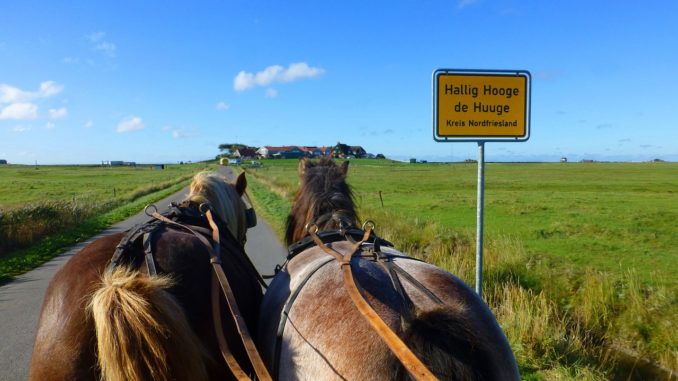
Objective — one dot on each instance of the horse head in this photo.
(226, 200)
(324, 198)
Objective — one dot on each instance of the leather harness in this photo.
(361, 243)
(185, 213)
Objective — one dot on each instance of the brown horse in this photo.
(99, 322)
(311, 330)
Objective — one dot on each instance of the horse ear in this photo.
(301, 169)
(344, 167)
(241, 184)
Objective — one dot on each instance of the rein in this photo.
(414, 366)
(218, 281)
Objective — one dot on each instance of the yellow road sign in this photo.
(474, 105)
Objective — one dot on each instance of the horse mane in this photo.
(226, 203)
(323, 191)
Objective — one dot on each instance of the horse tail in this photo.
(443, 339)
(142, 331)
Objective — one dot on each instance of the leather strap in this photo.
(220, 280)
(252, 353)
(148, 250)
(414, 366)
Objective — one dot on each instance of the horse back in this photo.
(310, 328)
(65, 343)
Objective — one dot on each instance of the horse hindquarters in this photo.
(459, 338)
(142, 331)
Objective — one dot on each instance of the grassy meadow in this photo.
(581, 258)
(46, 208)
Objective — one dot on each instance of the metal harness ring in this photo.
(311, 227)
(148, 208)
(369, 223)
(204, 207)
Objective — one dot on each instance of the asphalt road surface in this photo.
(21, 300)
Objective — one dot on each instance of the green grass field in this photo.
(580, 257)
(44, 210)
(608, 216)
(22, 184)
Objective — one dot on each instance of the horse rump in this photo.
(142, 331)
(443, 339)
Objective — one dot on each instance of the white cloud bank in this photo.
(19, 111)
(275, 74)
(11, 94)
(131, 123)
(222, 106)
(18, 102)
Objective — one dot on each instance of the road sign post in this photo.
(481, 106)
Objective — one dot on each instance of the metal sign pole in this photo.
(481, 106)
(479, 218)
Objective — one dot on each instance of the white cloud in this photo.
(89, 124)
(243, 81)
(19, 111)
(100, 44)
(271, 93)
(49, 88)
(131, 123)
(222, 106)
(275, 74)
(21, 128)
(301, 70)
(50, 125)
(57, 113)
(11, 94)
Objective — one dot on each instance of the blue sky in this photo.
(159, 81)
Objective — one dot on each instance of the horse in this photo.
(310, 329)
(107, 316)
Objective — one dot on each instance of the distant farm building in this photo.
(312, 151)
(284, 152)
(3, 161)
(245, 153)
(358, 152)
(344, 151)
(563, 159)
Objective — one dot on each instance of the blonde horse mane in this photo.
(142, 331)
(226, 203)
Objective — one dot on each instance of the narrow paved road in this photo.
(20, 300)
